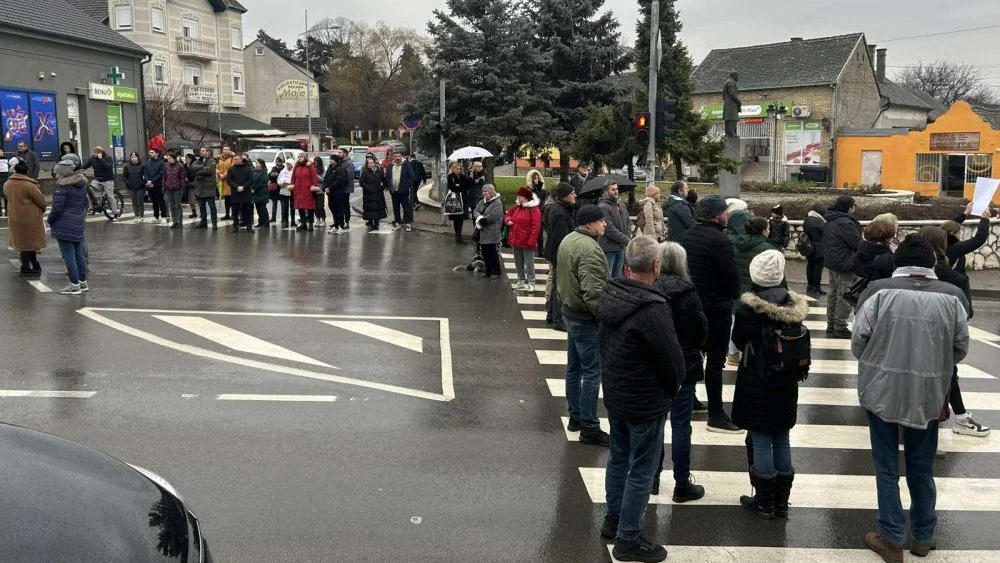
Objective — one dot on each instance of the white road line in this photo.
(539, 287)
(820, 436)
(538, 267)
(37, 284)
(546, 334)
(747, 554)
(980, 334)
(825, 396)
(279, 398)
(817, 343)
(817, 310)
(447, 384)
(723, 488)
(395, 337)
(530, 300)
(538, 277)
(533, 316)
(236, 340)
(46, 394)
(15, 262)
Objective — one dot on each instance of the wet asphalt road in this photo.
(396, 473)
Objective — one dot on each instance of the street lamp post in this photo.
(310, 77)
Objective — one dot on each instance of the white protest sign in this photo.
(981, 198)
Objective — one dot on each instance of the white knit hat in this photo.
(735, 204)
(768, 268)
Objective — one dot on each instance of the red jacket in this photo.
(525, 223)
(303, 178)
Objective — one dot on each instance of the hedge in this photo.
(936, 209)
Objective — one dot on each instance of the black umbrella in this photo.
(596, 184)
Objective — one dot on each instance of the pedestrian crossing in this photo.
(830, 427)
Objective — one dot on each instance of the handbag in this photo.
(453, 204)
(853, 294)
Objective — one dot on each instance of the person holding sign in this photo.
(957, 248)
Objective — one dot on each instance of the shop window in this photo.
(928, 169)
(123, 16)
(156, 19)
(978, 166)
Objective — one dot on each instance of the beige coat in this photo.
(25, 205)
(654, 218)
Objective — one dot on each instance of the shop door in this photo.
(871, 168)
(954, 177)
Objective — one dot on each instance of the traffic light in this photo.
(640, 126)
(434, 122)
(664, 119)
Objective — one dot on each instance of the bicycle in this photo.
(103, 205)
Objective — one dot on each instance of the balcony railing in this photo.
(195, 48)
(199, 95)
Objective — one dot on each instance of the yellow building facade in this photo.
(944, 159)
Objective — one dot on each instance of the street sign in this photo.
(412, 123)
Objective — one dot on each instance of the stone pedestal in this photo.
(729, 183)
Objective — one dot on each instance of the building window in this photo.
(189, 28)
(156, 19)
(123, 16)
(238, 81)
(236, 38)
(160, 72)
(259, 51)
(978, 166)
(928, 170)
(192, 75)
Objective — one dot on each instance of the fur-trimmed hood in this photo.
(778, 304)
(531, 173)
(75, 180)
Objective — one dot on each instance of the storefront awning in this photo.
(257, 132)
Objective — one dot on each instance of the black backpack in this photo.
(785, 353)
(806, 247)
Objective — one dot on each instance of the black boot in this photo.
(782, 490)
(762, 503)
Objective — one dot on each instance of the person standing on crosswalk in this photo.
(841, 237)
(765, 402)
(582, 272)
(642, 366)
(558, 221)
(909, 332)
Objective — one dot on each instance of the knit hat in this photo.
(735, 204)
(767, 269)
(587, 214)
(525, 192)
(563, 190)
(914, 251)
(777, 210)
(712, 206)
(64, 168)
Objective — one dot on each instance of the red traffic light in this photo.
(642, 122)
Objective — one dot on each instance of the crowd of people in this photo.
(652, 309)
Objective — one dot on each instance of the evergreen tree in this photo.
(582, 51)
(497, 93)
(277, 45)
(688, 142)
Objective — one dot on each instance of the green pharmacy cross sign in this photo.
(116, 76)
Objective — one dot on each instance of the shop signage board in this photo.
(110, 93)
(713, 112)
(296, 89)
(29, 117)
(955, 141)
(116, 132)
(803, 143)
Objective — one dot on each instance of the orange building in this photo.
(943, 159)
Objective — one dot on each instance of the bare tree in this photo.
(947, 81)
(164, 104)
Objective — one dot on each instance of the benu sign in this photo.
(295, 89)
(111, 93)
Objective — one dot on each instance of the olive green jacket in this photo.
(581, 272)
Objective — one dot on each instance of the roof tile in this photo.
(62, 19)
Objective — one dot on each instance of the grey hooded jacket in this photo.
(489, 219)
(910, 331)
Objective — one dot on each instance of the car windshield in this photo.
(358, 156)
(268, 156)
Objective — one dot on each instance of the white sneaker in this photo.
(531, 287)
(333, 231)
(519, 286)
(966, 426)
(70, 289)
(141, 220)
(84, 287)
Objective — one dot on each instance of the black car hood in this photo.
(62, 501)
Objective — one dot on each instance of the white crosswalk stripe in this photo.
(749, 554)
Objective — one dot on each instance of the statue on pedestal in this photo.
(731, 104)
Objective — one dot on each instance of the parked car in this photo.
(325, 155)
(357, 155)
(397, 146)
(63, 501)
(271, 154)
(383, 155)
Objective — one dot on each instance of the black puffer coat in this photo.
(689, 323)
(813, 228)
(559, 220)
(641, 360)
(372, 200)
(864, 258)
(756, 406)
(712, 262)
(841, 237)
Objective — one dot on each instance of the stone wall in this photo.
(987, 257)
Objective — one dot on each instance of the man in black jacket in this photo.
(339, 186)
(841, 237)
(419, 177)
(104, 178)
(712, 262)
(641, 367)
(558, 221)
(678, 211)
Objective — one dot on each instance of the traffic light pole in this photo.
(654, 67)
(442, 162)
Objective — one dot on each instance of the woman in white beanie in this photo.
(775, 345)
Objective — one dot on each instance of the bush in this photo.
(936, 209)
(792, 187)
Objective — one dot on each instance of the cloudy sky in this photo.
(710, 24)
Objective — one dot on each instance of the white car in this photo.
(270, 155)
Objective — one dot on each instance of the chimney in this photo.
(880, 66)
(871, 55)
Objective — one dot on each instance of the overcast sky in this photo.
(711, 24)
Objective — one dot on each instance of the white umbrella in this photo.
(468, 153)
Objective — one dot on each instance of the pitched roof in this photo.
(937, 108)
(797, 63)
(296, 125)
(900, 95)
(989, 112)
(97, 9)
(233, 124)
(235, 6)
(59, 18)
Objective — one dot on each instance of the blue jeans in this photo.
(680, 433)
(583, 372)
(632, 462)
(76, 263)
(772, 452)
(919, 449)
(616, 262)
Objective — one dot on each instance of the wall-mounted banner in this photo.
(110, 93)
(803, 143)
(44, 130)
(14, 125)
(295, 89)
(713, 112)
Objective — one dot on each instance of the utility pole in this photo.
(654, 68)
(443, 161)
(308, 89)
